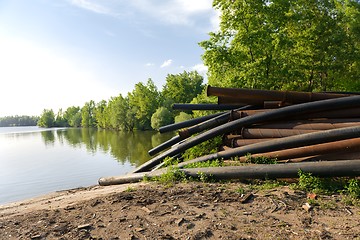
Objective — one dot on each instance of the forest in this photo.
(144, 108)
(15, 121)
(278, 45)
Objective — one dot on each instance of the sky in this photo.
(60, 53)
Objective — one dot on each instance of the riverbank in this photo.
(183, 211)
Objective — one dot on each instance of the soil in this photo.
(182, 211)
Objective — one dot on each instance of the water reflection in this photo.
(48, 137)
(123, 146)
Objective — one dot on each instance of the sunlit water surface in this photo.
(36, 161)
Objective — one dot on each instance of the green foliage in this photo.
(210, 163)
(13, 121)
(171, 176)
(267, 184)
(144, 100)
(182, 116)
(182, 87)
(130, 189)
(308, 182)
(203, 177)
(101, 118)
(295, 45)
(88, 115)
(353, 188)
(47, 119)
(204, 148)
(203, 98)
(161, 117)
(60, 121)
(73, 116)
(260, 160)
(119, 115)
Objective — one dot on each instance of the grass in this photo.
(348, 187)
(260, 160)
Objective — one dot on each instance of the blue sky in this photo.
(60, 53)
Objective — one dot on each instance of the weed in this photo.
(308, 182)
(260, 160)
(171, 176)
(204, 148)
(210, 163)
(170, 161)
(267, 184)
(353, 188)
(130, 189)
(203, 177)
(240, 190)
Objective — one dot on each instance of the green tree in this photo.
(47, 118)
(143, 101)
(73, 116)
(101, 117)
(118, 112)
(298, 45)
(87, 115)
(161, 117)
(60, 121)
(182, 87)
(182, 116)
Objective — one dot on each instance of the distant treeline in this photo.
(13, 121)
(144, 108)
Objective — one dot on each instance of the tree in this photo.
(73, 116)
(143, 101)
(182, 87)
(118, 112)
(161, 117)
(47, 118)
(297, 45)
(101, 117)
(60, 121)
(87, 115)
(183, 116)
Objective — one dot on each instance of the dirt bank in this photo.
(183, 211)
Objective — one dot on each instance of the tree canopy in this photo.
(279, 44)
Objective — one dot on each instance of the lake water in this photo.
(35, 161)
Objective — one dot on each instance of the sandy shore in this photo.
(183, 211)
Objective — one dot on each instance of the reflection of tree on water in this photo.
(123, 146)
(48, 137)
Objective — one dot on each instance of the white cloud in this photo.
(200, 68)
(149, 64)
(174, 12)
(166, 63)
(179, 12)
(91, 6)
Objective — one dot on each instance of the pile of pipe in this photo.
(313, 132)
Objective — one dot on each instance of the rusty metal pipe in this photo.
(272, 133)
(188, 123)
(319, 124)
(347, 112)
(286, 142)
(188, 106)
(312, 150)
(276, 114)
(238, 142)
(291, 97)
(344, 168)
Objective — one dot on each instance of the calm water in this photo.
(35, 161)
